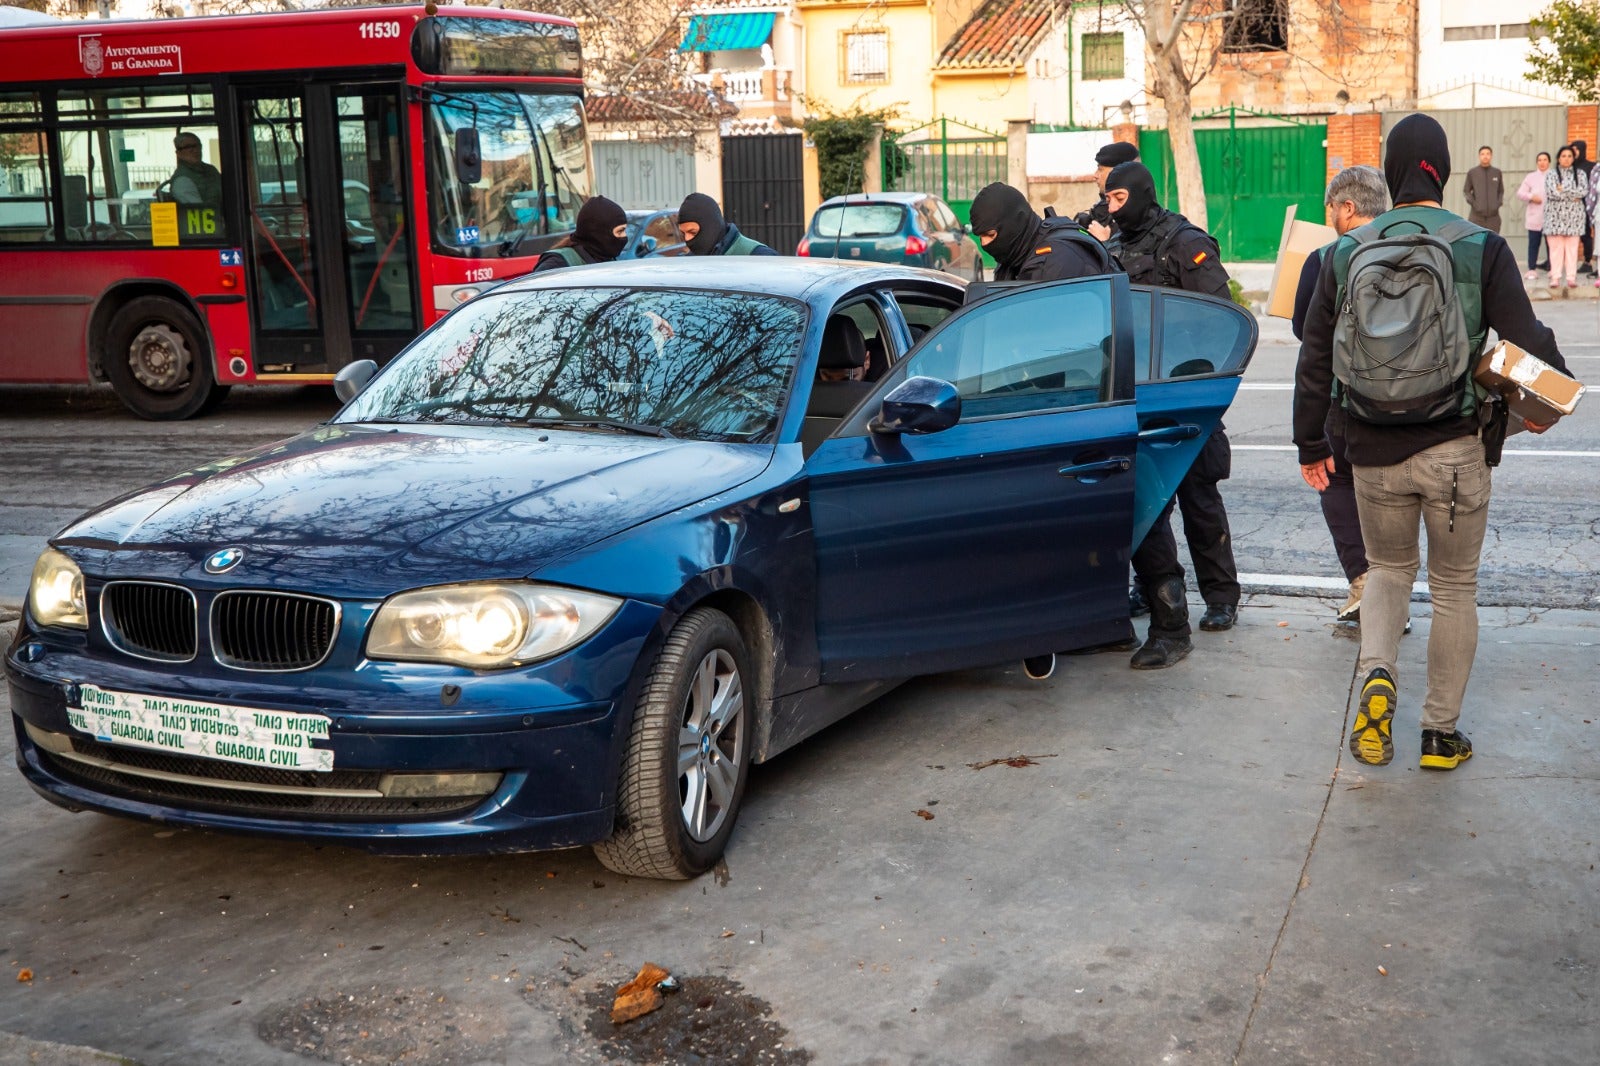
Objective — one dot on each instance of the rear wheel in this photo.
(158, 361)
(688, 757)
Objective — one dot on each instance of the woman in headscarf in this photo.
(1531, 192)
(599, 237)
(1564, 221)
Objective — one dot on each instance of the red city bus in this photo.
(192, 204)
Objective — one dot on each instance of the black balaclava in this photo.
(1580, 156)
(595, 234)
(702, 209)
(1142, 207)
(1416, 160)
(1003, 209)
(1115, 154)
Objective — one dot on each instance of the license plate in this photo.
(274, 739)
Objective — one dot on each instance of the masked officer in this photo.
(1161, 247)
(1097, 220)
(706, 232)
(600, 235)
(1026, 247)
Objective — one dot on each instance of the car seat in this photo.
(843, 348)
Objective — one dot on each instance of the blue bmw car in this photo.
(603, 538)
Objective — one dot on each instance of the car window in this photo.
(1031, 350)
(1199, 337)
(879, 354)
(664, 228)
(706, 365)
(858, 220)
(922, 312)
(946, 216)
(1140, 299)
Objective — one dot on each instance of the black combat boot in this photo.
(1168, 640)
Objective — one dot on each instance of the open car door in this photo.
(1004, 532)
(1190, 352)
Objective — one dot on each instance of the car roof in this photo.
(648, 211)
(877, 198)
(801, 279)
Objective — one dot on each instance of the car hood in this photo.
(364, 511)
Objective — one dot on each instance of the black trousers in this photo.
(1205, 527)
(1339, 511)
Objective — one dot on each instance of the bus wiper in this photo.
(604, 423)
(509, 246)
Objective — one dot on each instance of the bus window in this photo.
(25, 210)
(535, 170)
(377, 244)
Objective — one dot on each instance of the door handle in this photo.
(1117, 464)
(1169, 434)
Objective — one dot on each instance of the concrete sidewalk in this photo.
(1192, 869)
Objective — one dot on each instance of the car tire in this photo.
(692, 730)
(158, 360)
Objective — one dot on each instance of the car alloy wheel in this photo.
(688, 755)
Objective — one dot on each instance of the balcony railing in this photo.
(755, 85)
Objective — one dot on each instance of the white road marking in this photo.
(1307, 581)
(1546, 452)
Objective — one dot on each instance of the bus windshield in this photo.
(535, 169)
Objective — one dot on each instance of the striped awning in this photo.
(720, 33)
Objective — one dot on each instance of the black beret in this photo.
(1115, 153)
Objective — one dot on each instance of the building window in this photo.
(1469, 33)
(1102, 56)
(866, 57)
(1258, 26)
(1513, 29)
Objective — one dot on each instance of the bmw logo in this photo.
(220, 562)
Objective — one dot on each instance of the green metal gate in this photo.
(948, 158)
(1252, 174)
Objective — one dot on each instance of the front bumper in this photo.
(540, 747)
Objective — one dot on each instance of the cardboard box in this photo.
(1300, 239)
(1533, 389)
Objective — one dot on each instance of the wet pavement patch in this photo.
(416, 1026)
(708, 1020)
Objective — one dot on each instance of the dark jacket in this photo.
(1485, 190)
(1175, 253)
(1506, 310)
(1060, 250)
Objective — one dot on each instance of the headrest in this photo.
(1192, 367)
(843, 346)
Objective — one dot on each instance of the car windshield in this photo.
(703, 365)
(535, 171)
(858, 220)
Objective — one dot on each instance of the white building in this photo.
(1474, 53)
(1087, 68)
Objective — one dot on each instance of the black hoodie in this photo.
(1416, 162)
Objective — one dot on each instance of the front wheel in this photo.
(158, 360)
(688, 757)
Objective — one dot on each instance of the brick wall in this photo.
(1583, 124)
(1354, 140)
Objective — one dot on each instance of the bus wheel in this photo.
(157, 360)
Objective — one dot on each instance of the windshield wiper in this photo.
(509, 246)
(603, 423)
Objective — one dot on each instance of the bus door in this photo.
(329, 237)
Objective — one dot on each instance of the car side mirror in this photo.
(918, 405)
(349, 381)
(469, 156)
(647, 244)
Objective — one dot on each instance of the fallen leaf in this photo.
(25, 975)
(1283, 625)
(1014, 761)
(925, 815)
(725, 933)
(639, 996)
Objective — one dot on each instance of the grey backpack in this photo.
(1409, 321)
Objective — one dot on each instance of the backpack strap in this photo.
(1070, 231)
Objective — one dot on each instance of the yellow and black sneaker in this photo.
(1369, 737)
(1444, 751)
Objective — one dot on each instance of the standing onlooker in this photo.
(1564, 221)
(1432, 474)
(1584, 165)
(1531, 192)
(1485, 189)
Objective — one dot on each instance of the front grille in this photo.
(272, 630)
(150, 620)
(207, 787)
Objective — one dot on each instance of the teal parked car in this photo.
(913, 228)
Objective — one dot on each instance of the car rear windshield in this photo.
(697, 364)
(858, 220)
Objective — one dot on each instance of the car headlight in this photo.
(56, 594)
(486, 626)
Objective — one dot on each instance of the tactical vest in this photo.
(743, 246)
(1145, 259)
(567, 254)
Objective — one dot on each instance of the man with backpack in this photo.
(1026, 247)
(1395, 326)
(1161, 247)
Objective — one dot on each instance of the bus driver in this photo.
(195, 182)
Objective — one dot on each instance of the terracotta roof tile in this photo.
(646, 107)
(1001, 33)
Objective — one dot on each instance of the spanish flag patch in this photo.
(1200, 257)
(1042, 251)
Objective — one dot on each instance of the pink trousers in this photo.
(1563, 258)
